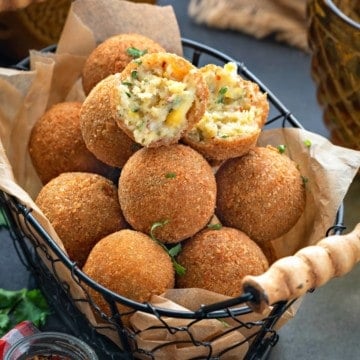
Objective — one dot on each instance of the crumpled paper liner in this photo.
(25, 96)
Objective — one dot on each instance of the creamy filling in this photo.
(154, 107)
(229, 112)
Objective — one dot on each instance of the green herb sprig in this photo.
(19, 305)
(135, 53)
(173, 252)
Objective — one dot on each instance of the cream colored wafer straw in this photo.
(292, 276)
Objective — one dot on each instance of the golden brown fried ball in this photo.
(130, 264)
(261, 193)
(235, 114)
(111, 56)
(100, 132)
(158, 98)
(217, 260)
(172, 187)
(82, 208)
(56, 144)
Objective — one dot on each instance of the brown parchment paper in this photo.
(25, 96)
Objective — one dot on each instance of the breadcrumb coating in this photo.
(56, 144)
(132, 265)
(82, 208)
(111, 56)
(172, 185)
(261, 193)
(100, 132)
(217, 260)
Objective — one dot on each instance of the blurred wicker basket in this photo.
(32, 26)
(334, 38)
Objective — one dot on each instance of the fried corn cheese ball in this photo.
(171, 188)
(261, 193)
(159, 97)
(99, 130)
(217, 260)
(112, 55)
(130, 264)
(56, 144)
(82, 208)
(235, 114)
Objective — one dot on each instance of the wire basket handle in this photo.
(292, 276)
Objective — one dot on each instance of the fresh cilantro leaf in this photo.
(19, 305)
(180, 270)
(4, 323)
(3, 221)
(175, 250)
(217, 226)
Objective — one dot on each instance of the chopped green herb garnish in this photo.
(307, 143)
(217, 226)
(154, 226)
(128, 94)
(19, 305)
(174, 251)
(135, 110)
(221, 94)
(134, 74)
(304, 179)
(141, 125)
(224, 323)
(127, 83)
(170, 175)
(135, 53)
(281, 148)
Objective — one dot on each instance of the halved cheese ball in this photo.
(159, 97)
(235, 114)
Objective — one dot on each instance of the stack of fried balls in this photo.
(163, 154)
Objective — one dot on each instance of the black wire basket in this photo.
(42, 256)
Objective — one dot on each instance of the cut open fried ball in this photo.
(235, 114)
(159, 97)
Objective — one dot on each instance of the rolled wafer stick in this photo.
(312, 266)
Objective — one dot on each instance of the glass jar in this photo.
(334, 39)
(50, 345)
